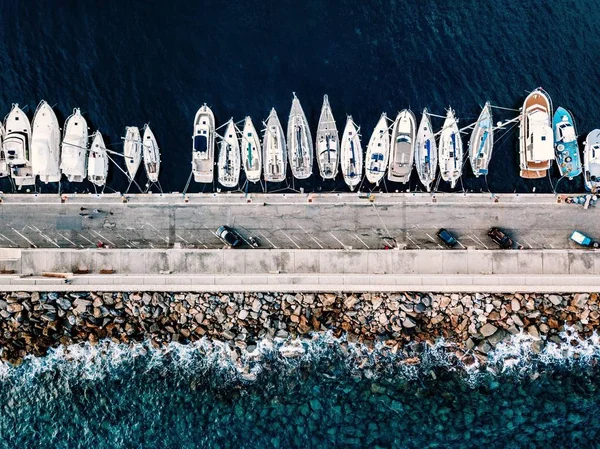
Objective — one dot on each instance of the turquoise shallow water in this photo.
(323, 393)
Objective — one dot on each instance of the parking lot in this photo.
(325, 221)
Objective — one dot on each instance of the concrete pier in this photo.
(288, 221)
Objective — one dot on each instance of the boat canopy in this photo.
(541, 144)
(566, 132)
(201, 142)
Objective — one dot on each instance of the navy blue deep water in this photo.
(128, 63)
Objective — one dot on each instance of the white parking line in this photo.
(9, 240)
(102, 237)
(291, 240)
(526, 242)
(461, 245)
(413, 242)
(434, 240)
(480, 242)
(315, 240)
(338, 240)
(29, 241)
(267, 239)
(546, 239)
(84, 237)
(68, 240)
(157, 233)
(476, 242)
(126, 241)
(178, 236)
(361, 241)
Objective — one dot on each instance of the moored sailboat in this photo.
(536, 141)
(151, 154)
(97, 161)
(451, 150)
(481, 142)
(74, 147)
(4, 169)
(402, 147)
(274, 149)
(378, 151)
(203, 148)
(132, 150)
(426, 152)
(250, 148)
(351, 157)
(229, 157)
(566, 149)
(327, 142)
(299, 140)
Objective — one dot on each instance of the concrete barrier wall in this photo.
(257, 261)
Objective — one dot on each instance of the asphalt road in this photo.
(289, 221)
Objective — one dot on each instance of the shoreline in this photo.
(475, 323)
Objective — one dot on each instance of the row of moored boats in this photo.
(38, 149)
(393, 148)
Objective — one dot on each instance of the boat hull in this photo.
(97, 161)
(73, 163)
(378, 151)
(251, 152)
(45, 144)
(274, 150)
(132, 150)
(426, 153)
(536, 146)
(327, 142)
(151, 154)
(351, 156)
(450, 150)
(402, 147)
(591, 161)
(203, 145)
(229, 158)
(566, 150)
(299, 140)
(481, 142)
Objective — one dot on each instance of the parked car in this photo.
(583, 240)
(229, 236)
(447, 238)
(500, 238)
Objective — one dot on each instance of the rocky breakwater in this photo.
(31, 323)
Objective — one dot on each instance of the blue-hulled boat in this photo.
(565, 144)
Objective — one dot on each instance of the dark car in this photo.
(229, 236)
(500, 238)
(447, 238)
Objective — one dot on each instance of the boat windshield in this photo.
(201, 143)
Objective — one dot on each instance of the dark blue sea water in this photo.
(129, 63)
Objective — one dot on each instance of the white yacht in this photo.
(132, 150)
(591, 161)
(251, 157)
(327, 142)
(378, 151)
(97, 161)
(274, 150)
(4, 169)
(481, 142)
(151, 155)
(299, 140)
(451, 150)
(351, 157)
(203, 148)
(426, 152)
(17, 139)
(402, 149)
(45, 144)
(536, 139)
(74, 147)
(229, 157)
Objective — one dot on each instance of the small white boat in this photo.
(4, 168)
(481, 142)
(327, 142)
(451, 150)
(591, 161)
(402, 148)
(132, 150)
(74, 147)
(274, 149)
(203, 148)
(17, 138)
(97, 161)
(251, 157)
(536, 139)
(151, 155)
(299, 140)
(378, 151)
(426, 152)
(351, 157)
(229, 157)
(45, 144)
